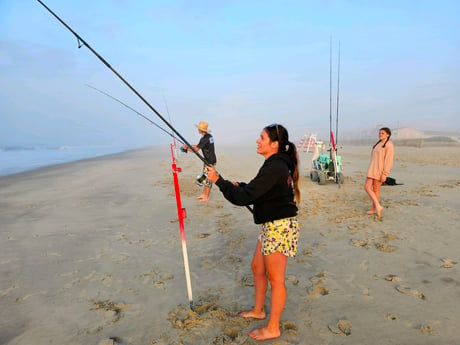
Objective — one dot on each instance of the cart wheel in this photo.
(321, 178)
(314, 175)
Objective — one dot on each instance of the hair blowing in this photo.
(280, 134)
(388, 131)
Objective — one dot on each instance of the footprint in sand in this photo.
(156, 278)
(392, 278)
(293, 280)
(113, 311)
(317, 291)
(385, 247)
(448, 263)
(247, 280)
(426, 329)
(224, 223)
(203, 235)
(355, 228)
(111, 341)
(6, 291)
(408, 291)
(364, 243)
(342, 327)
(318, 278)
(308, 252)
(390, 317)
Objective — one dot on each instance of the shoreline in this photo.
(76, 160)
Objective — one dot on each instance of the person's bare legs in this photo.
(369, 186)
(276, 268)
(260, 285)
(205, 195)
(376, 188)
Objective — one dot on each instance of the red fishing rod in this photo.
(334, 158)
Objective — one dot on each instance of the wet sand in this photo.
(90, 253)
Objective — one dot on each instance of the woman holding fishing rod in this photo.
(273, 192)
(379, 168)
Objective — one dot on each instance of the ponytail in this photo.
(292, 152)
(280, 134)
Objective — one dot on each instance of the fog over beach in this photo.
(90, 245)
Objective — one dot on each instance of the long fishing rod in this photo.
(330, 88)
(82, 42)
(338, 91)
(138, 113)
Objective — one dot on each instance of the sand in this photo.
(90, 253)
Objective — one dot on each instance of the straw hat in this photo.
(203, 126)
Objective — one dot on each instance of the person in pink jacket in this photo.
(379, 168)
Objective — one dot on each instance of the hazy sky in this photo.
(240, 65)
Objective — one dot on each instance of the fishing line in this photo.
(167, 111)
(138, 113)
(82, 42)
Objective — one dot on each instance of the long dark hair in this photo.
(388, 131)
(280, 134)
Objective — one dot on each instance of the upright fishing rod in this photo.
(330, 89)
(338, 91)
(138, 113)
(82, 42)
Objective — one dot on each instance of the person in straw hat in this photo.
(206, 145)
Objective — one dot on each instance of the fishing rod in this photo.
(330, 89)
(338, 91)
(138, 113)
(82, 42)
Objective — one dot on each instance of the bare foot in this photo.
(379, 211)
(264, 334)
(371, 211)
(251, 314)
(202, 198)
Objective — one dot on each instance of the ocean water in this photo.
(20, 159)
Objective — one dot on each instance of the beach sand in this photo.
(90, 253)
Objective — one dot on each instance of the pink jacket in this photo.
(381, 161)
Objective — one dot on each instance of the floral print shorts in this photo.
(280, 235)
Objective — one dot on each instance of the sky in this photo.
(239, 65)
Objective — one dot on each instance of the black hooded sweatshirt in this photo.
(271, 191)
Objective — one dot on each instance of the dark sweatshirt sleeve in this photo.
(246, 194)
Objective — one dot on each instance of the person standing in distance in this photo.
(379, 168)
(206, 145)
(273, 193)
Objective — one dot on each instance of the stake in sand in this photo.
(182, 214)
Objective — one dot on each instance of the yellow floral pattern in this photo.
(280, 235)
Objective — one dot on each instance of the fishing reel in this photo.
(200, 179)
